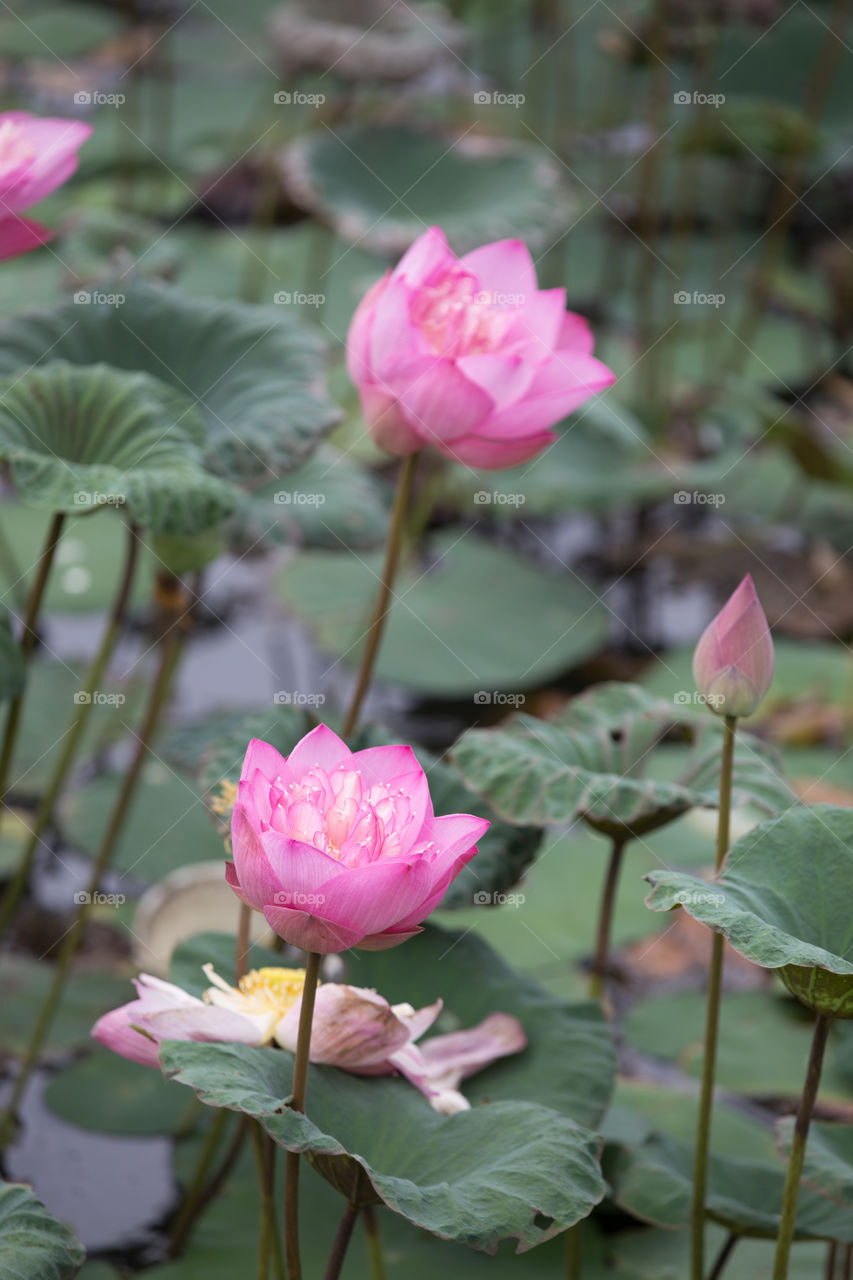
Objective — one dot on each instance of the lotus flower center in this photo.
(458, 317)
(336, 812)
(16, 150)
(258, 992)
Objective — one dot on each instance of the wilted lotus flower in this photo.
(36, 156)
(353, 1029)
(733, 661)
(341, 849)
(469, 354)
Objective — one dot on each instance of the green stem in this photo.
(269, 1245)
(712, 1022)
(574, 1251)
(605, 918)
(28, 640)
(374, 1243)
(343, 1235)
(723, 1257)
(186, 1212)
(297, 1103)
(74, 733)
(241, 959)
(169, 650)
(797, 1155)
(381, 610)
(200, 1194)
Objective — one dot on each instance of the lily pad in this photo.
(591, 760)
(32, 1243)
(477, 1177)
(77, 438)
(380, 186)
(828, 1166)
(654, 1181)
(569, 1063)
(25, 984)
(782, 901)
(109, 1094)
(435, 641)
(254, 373)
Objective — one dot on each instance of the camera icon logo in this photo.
(482, 898)
(681, 298)
(282, 98)
(482, 98)
(681, 498)
(282, 698)
(683, 698)
(82, 898)
(82, 297)
(82, 97)
(82, 698)
(482, 698)
(682, 98)
(482, 498)
(283, 299)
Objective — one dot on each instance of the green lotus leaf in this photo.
(569, 1063)
(80, 437)
(381, 186)
(591, 762)
(32, 1243)
(783, 901)
(654, 1181)
(434, 640)
(254, 373)
(828, 1166)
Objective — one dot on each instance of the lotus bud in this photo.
(733, 661)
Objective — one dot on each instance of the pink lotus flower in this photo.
(353, 1029)
(469, 355)
(341, 849)
(36, 156)
(733, 661)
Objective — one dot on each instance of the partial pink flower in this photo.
(36, 156)
(733, 661)
(341, 849)
(469, 354)
(353, 1029)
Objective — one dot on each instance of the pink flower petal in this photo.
(563, 384)
(575, 334)
(256, 878)
(55, 143)
(319, 747)
(387, 939)
(116, 1031)
(310, 932)
(440, 403)
(298, 868)
(361, 326)
(20, 235)
(429, 253)
(387, 423)
(262, 758)
(491, 455)
(352, 1028)
(503, 267)
(505, 377)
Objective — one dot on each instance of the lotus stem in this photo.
(169, 650)
(381, 610)
(184, 1214)
(199, 1195)
(74, 733)
(28, 640)
(374, 1243)
(343, 1236)
(297, 1103)
(574, 1251)
(712, 1021)
(269, 1245)
(723, 1257)
(797, 1154)
(605, 918)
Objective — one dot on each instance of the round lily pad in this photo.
(435, 640)
(782, 901)
(255, 374)
(78, 438)
(109, 1094)
(380, 186)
